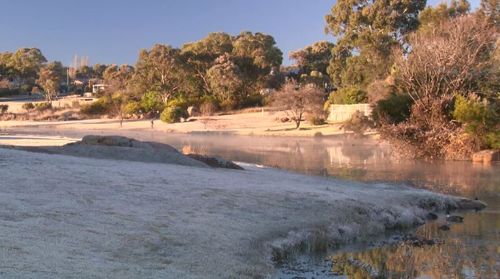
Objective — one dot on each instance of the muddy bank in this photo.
(65, 216)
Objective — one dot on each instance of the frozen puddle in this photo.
(70, 217)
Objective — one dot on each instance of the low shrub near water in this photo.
(316, 118)
(173, 114)
(395, 109)
(3, 108)
(481, 119)
(28, 107)
(100, 107)
(132, 108)
(40, 107)
(358, 124)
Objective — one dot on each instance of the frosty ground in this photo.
(72, 217)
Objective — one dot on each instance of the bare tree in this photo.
(296, 100)
(118, 103)
(207, 109)
(451, 58)
(50, 79)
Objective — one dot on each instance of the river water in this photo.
(468, 250)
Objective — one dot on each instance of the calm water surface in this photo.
(468, 250)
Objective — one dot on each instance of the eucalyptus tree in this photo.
(25, 64)
(50, 78)
(315, 57)
(118, 78)
(366, 32)
(200, 56)
(159, 70)
(226, 82)
(431, 16)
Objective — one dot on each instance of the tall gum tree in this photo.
(158, 69)
(50, 78)
(366, 31)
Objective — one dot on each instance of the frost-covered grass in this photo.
(70, 217)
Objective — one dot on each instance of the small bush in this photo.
(173, 114)
(3, 108)
(179, 101)
(480, 119)
(132, 108)
(99, 107)
(228, 104)
(393, 110)
(358, 124)
(75, 104)
(25, 88)
(493, 139)
(254, 100)
(348, 96)
(43, 106)
(151, 103)
(208, 108)
(316, 118)
(28, 106)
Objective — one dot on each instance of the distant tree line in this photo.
(225, 71)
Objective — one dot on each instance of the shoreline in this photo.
(245, 124)
(248, 219)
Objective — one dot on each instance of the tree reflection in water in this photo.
(452, 259)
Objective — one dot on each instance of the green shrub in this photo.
(393, 110)
(43, 106)
(253, 100)
(493, 139)
(132, 108)
(25, 88)
(151, 103)
(3, 108)
(28, 106)
(348, 96)
(480, 119)
(100, 107)
(179, 101)
(173, 114)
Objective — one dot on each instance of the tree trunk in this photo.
(297, 121)
(297, 124)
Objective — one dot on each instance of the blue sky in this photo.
(113, 31)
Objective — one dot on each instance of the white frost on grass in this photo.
(70, 217)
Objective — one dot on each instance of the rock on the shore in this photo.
(123, 148)
(215, 162)
(486, 156)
